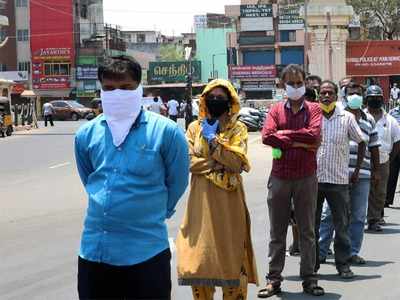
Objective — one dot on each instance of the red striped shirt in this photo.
(282, 128)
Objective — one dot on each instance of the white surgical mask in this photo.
(295, 94)
(121, 109)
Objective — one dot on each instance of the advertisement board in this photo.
(171, 72)
(373, 58)
(252, 72)
(52, 44)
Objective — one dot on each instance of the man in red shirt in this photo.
(293, 130)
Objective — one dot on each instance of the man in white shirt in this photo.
(156, 105)
(48, 111)
(389, 135)
(394, 93)
(173, 106)
(338, 128)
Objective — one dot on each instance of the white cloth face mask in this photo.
(121, 108)
(295, 94)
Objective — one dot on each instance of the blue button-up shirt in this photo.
(132, 189)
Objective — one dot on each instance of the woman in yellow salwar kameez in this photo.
(214, 243)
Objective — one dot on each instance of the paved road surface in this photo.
(42, 205)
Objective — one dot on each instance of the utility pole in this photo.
(306, 36)
(330, 49)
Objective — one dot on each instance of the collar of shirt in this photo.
(288, 105)
(339, 111)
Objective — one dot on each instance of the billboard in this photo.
(373, 58)
(252, 72)
(52, 44)
(86, 72)
(175, 71)
(289, 17)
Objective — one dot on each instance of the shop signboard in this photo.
(86, 72)
(252, 72)
(171, 72)
(289, 17)
(373, 58)
(255, 10)
(52, 47)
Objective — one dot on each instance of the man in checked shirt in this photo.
(293, 129)
(338, 128)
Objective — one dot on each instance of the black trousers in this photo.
(392, 182)
(150, 280)
(48, 118)
(173, 118)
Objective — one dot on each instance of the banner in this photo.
(373, 58)
(252, 72)
(86, 72)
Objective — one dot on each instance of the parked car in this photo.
(70, 110)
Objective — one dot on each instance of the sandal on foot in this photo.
(313, 289)
(357, 260)
(269, 291)
(346, 273)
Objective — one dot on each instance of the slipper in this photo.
(314, 290)
(357, 260)
(269, 291)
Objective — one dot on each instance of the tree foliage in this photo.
(384, 14)
(171, 52)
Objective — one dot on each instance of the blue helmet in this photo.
(374, 91)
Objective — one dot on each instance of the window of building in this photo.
(22, 3)
(3, 67)
(288, 35)
(24, 66)
(23, 35)
(141, 38)
(57, 69)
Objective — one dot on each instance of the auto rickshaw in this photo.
(6, 125)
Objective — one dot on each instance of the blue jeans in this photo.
(358, 211)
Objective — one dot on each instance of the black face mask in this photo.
(217, 106)
(374, 103)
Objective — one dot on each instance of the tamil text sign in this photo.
(173, 71)
(252, 72)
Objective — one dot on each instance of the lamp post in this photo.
(213, 63)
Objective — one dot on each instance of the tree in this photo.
(384, 14)
(170, 52)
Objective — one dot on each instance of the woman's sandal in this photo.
(269, 291)
(314, 290)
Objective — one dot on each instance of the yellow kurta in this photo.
(214, 242)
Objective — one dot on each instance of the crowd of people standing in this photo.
(331, 160)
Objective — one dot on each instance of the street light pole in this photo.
(213, 63)
(306, 36)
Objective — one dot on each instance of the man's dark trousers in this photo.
(338, 197)
(174, 118)
(392, 182)
(48, 118)
(150, 280)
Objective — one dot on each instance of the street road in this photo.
(42, 205)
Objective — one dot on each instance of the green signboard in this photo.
(171, 72)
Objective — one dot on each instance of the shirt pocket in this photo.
(142, 161)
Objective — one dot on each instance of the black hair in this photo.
(292, 69)
(118, 67)
(314, 77)
(354, 85)
(334, 85)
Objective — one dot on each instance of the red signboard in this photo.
(373, 58)
(52, 43)
(252, 72)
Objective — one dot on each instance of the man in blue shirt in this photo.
(134, 166)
